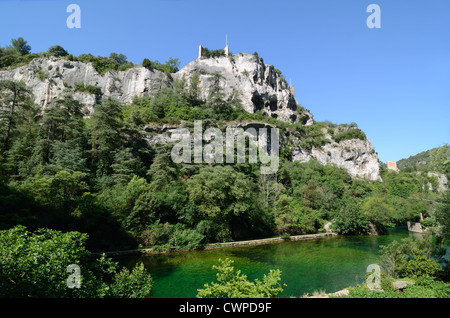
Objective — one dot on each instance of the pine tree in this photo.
(106, 134)
(15, 98)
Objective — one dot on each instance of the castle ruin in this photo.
(201, 50)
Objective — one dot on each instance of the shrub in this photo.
(428, 222)
(91, 89)
(146, 63)
(182, 238)
(350, 221)
(420, 266)
(232, 284)
(137, 284)
(212, 53)
(353, 133)
(57, 50)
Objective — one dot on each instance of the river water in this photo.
(328, 264)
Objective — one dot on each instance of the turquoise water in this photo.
(329, 264)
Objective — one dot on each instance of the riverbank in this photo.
(213, 246)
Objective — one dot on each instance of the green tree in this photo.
(134, 284)
(15, 98)
(220, 191)
(9, 56)
(442, 215)
(379, 212)
(409, 258)
(440, 160)
(226, 197)
(146, 63)
(106, 134)
(34, 264)
(57, 50)
(216, 95)
(163, 170)
(293, 218)
(125, 165)
(350, 220)
(232, 283)
(120, 59)
(59, 191)
(63, 120)
(68, 156)
(21, 46)
(173, 65)
(194, 87)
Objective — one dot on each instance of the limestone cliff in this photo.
(256, 84)
(357, 156)
(50, 77)
(259, 87)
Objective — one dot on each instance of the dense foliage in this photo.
(39, 265)
(436, 159)
(98, 175)
(232, 283)
(63, 171)
(19, 53)
(415, 261)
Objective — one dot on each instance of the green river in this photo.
(328, 264)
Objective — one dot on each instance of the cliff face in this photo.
(356, 156)
(256, 84)
(260, 87)
(50, 77)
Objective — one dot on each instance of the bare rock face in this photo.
(442, 181)
(258, 85)
(50, 78)
(356, 156)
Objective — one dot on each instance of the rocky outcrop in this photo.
(356, 156)
(442, 182)
(259, 87)
(49, 78)
(415, 227)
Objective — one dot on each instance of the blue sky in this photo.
(394, 82)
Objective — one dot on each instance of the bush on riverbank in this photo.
(412, 261)
(423, 288)
(40, 264)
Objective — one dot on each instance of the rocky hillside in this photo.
(258, 86)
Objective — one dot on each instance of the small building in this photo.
(392, 165)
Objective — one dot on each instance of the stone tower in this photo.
(200, 51)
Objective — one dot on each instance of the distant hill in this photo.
(423, 161)
(420, 161)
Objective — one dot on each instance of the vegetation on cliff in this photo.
(64, 172)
